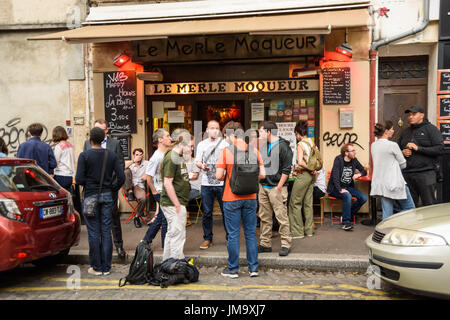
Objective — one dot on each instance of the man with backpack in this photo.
(273, 192)
(244, 168)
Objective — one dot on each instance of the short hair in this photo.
(59, 134)
(381, 128)
(301, 128)
(97, 135)
(158, 134)
(3, 146)
(181, 136)
(234, 128)
(138, 150)
(344, 148)
(101, 121)
(268, 125)
(35, 129)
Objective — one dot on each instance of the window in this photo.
(25, 178)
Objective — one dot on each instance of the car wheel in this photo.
(51, 260)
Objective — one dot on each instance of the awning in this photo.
(318, 22)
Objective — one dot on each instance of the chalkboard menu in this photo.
(125, 144)
(443, 107)
(443, 81)
(444, 126)
(120, 101)
(336, 86)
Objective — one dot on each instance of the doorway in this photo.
(222, 111)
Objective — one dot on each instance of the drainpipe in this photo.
(373, 63)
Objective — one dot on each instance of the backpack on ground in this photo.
(244, 176)
(315, 161)
(173, 271)
(141, 267)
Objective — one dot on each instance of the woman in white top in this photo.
(387, 178)
(65, 157)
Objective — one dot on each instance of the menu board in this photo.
(443, 81)
(444, 127)
(125, 144)
(336, 86)
(120, 101)
(443, 107)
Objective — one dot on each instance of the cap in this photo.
(415, 108)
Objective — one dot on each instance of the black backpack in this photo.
(173, 271)
(244, 176)
(141, 268)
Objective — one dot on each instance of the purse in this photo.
(90, 204)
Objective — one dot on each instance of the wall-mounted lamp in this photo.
(345, 48)
(120, 60)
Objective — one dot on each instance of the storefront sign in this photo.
(227, 47)
(293, 85)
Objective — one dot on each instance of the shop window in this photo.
(172, 115)
(221, 111)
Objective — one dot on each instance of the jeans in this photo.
(387, 204)
(99, 234)
(160, 222)
(64, 181)
(234, 211)
(208, 194)
(194, 193)
(349, 210)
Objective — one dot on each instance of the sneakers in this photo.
(284, 251)
(95, 273)
(206, 244)
(254, 273)
(107, 273)
(347, 227)
(230, 274)
(262, 249)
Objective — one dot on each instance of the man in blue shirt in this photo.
(37, 150)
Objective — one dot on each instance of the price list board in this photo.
(336, 86)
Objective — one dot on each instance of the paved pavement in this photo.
(329, 249)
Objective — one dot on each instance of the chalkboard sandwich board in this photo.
(444, 127)
(120, 101)
(336, 85)
(443, 81)
(443, 107)
(125, 144)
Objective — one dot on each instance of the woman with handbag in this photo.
(387, 178)
(65, 158)
(95, 173)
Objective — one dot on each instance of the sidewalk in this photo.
(329, 249)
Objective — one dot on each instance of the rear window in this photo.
(25, 178)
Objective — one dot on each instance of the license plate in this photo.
(51, 212)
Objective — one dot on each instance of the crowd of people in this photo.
(248, 174)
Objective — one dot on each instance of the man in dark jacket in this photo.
(273, 193)
(37, 150)
(114, 146)
(421, 144)
(342, 186)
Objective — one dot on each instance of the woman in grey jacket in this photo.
(387, 178)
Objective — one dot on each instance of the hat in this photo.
(415, 108)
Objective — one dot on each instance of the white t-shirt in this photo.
(154, 169)
(204, 150)
(192, 168)
(320, 182)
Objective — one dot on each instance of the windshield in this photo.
(25, 178)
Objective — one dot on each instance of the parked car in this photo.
(411, 250)
(37, 219)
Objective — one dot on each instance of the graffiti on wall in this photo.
(14, 133)
(339, 139)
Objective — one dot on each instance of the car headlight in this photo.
(403, 237)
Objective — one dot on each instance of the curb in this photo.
(314, 262)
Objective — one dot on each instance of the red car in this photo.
(37, 219)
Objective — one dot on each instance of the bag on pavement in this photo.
(141, 268)
(173, 271)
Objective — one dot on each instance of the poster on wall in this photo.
(286, 131)
(258, 111)
(175, 116)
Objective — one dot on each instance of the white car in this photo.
(411, 250)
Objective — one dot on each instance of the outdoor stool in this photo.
(134, 207)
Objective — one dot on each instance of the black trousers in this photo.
(116, 229)
(422, 185)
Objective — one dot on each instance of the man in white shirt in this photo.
(134, 183)
(162, 138)
(206, 158)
